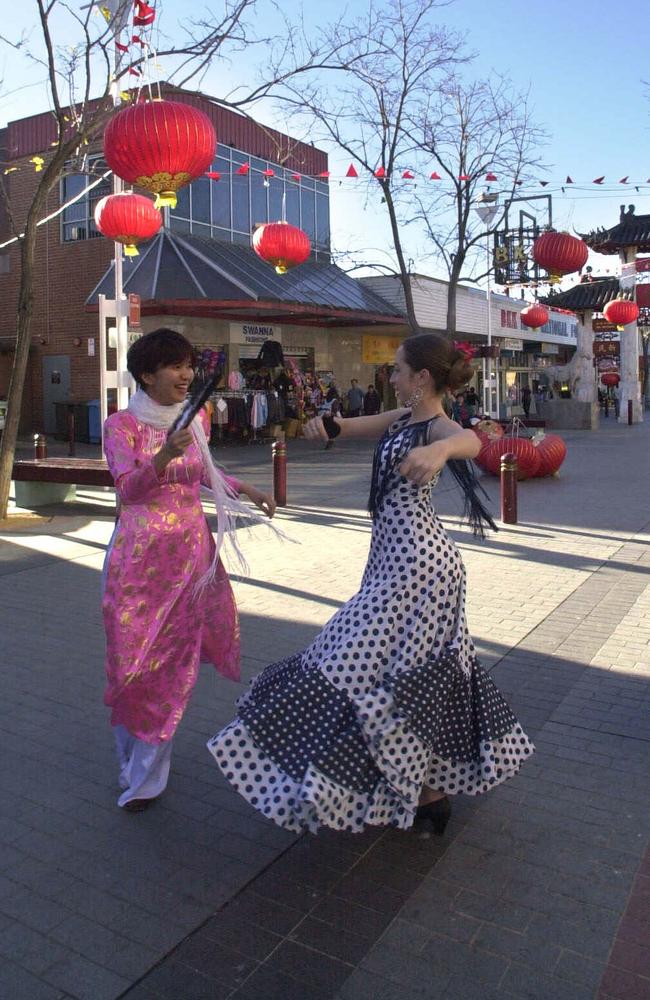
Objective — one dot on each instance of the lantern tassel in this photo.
(131, 250)
(167, 198)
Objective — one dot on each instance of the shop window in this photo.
(308, 212)
(77, 221)
(241, 214)
(221, 194)
(259, 211)
(201, 201)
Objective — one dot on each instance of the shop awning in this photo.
(193, 275)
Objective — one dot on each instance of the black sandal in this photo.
(435, 813)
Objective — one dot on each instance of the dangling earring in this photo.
(415, 398)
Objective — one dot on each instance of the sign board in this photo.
(134, 310)
(602, 326)
(606, 349)
(379, 350)
(642, 265)
(254, 334)
(512, 344)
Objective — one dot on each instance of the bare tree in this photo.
(468, 132)
(75, 49)
(401, 106)
(391, 60)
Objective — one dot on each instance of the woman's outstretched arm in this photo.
(354, 427)
(450, 441)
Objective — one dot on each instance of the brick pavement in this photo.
(199, 897)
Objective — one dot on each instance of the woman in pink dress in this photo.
(167, 601)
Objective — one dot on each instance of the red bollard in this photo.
(279, 452)
(509, 488)
(629, 413)
(40, 446)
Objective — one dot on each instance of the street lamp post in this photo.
(487, 209)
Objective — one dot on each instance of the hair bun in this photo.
(460, 372)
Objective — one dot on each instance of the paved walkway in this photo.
(539, 890)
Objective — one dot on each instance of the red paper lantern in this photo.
(160, 146)
(534, 316)
(528, 460)
(551, 450)
(559, 254)
(621, 312)
(282, 245)
(610, 378)
(127, 218)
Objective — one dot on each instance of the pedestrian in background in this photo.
(355, 399)
(371, 402)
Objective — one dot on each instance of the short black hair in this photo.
(157, 350)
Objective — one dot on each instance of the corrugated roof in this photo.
(593, 294)
(174, 267)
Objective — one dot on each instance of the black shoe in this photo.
(436, 813)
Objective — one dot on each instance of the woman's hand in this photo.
(177, 442)
(423, 463)
(264, 501)
(173, 447)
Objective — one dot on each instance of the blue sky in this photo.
(584, 65)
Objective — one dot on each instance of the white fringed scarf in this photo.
(228, 505)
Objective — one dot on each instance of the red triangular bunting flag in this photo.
(324, 173)
(214, 175)
(134, 72)
(121, 48)
(599, 180)
(245, 167)
(351, 171)
(145, 14)
(435, 176)
(380, 172)
(491, 177)
(296, 177)
(568, 180)
(408, 176)
(464, 177)
(268, 173)
(624, 180)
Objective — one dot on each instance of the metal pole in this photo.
(509, 488)
(488, 360)
(279, 452)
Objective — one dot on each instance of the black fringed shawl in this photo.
(391, 451)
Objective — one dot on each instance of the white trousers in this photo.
(144, 767)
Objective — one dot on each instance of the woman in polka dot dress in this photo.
(388, 711)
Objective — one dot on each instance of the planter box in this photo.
(569, 414)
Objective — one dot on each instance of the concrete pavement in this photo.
(538, 890)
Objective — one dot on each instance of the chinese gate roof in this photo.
(632, 231)
(594, 293)
(195, 275)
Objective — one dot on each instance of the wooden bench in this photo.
(41, 481)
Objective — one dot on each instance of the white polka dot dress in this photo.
(388, 697)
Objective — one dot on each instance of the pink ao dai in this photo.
(157, 630)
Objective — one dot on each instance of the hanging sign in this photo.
(254, 334)
(379, 350)
(134, 310)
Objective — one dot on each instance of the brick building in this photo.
(323, 318)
